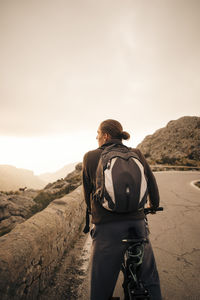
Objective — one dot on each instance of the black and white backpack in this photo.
(121, 185)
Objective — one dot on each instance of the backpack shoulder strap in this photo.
(87, 222)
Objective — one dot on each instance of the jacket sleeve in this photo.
(152, 186)
(87, 184)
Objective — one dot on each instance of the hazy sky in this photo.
(66, 65)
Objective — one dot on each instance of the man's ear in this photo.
(107, 137)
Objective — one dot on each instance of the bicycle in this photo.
(133, 257)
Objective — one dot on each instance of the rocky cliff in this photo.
(16, 207)
(176, 144)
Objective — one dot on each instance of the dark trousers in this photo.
(107, 255)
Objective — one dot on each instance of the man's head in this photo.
(111, 129)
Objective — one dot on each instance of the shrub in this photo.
(168, 160)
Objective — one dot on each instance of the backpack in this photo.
(121, 185)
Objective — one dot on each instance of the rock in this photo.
(15, 208)
(176, 144)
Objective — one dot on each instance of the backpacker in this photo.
(121, 185)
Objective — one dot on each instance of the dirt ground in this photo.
(70, 280)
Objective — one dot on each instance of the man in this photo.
(111, 227)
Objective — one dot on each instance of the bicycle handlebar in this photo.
(150, 210)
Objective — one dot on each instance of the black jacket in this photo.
(100, 214)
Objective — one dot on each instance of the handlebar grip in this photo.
(159, 208)
(152, 210)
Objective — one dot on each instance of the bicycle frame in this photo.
(133, 257)
(132, 285)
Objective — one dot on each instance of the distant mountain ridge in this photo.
(12, 178)
(178, 143)
(61, 173)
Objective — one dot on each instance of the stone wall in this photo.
(32, 250)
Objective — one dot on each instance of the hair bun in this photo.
(125, 135)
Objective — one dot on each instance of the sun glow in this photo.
(47, 153)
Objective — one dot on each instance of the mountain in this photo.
(61, 173)
(178, 143)
(12, 178)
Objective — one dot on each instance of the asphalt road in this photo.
(175, 237)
